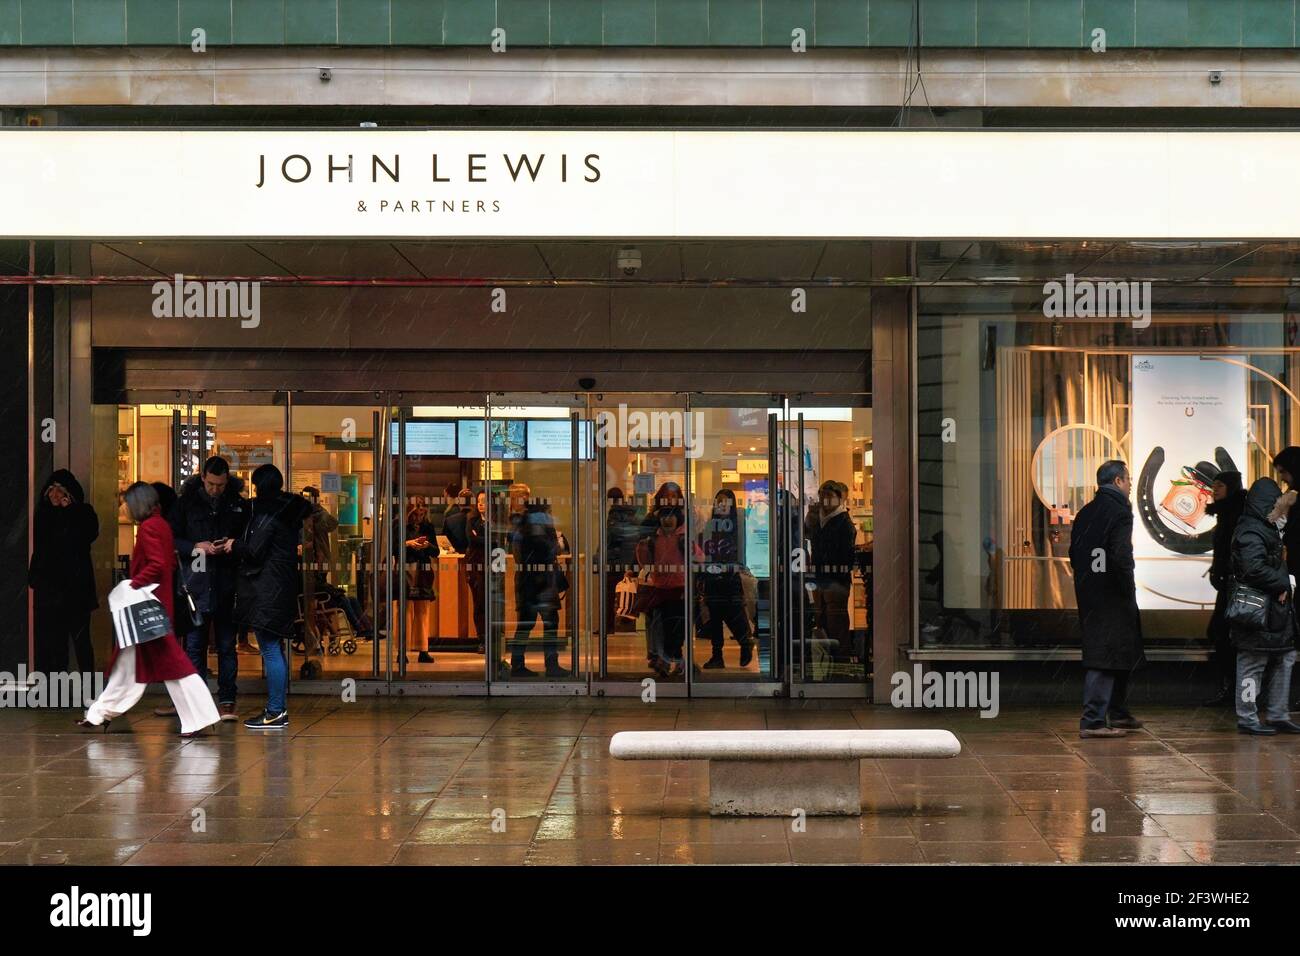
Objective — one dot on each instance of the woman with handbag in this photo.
(1261, 615)
(132, 669)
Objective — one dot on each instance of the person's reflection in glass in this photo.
(622, 528)
(832, 534)
(540, 584)
(475, 562)
(721, 542)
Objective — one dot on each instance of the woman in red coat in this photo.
(132, 669)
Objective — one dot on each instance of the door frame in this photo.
(589, 537)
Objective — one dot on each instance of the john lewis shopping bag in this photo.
(138, 616)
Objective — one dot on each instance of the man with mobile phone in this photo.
(208, 514)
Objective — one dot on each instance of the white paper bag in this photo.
(138, 616)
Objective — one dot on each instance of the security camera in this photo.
(325, 75)
(587, 383)
(629, 260)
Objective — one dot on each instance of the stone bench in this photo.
(776, 772)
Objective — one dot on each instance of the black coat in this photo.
(536, 547)
(61, 573)
(622, 531)
(269, 580)
(455, 527)
(833, 553)
(1257, 561)
(196, 517)
(1226, 514)
(1108, 613)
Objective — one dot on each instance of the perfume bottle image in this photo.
(1183, 505)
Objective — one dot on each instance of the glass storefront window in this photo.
(1058, 357)
(828, 465)
(332, 459)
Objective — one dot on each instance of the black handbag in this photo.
(188, 615)
(1247, 608)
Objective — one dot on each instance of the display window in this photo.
(1040, 362)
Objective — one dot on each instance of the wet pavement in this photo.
(516, 781)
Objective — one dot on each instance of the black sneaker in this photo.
(746, 653)
(268, 721)
(1285, 726)
(522, 671)
(715, 663)
(556, 672)
(1255, 729)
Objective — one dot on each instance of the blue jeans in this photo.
(1105, 695)
(196, 646)
(277, 671)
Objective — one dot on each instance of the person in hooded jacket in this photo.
(1229, 501)
(1101, 556)
(1265, 655)
(540, 586)
(61, 575)
(132, 669)
(266, 591)
(208, 512)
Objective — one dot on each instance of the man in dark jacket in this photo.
(831, 536)
(61, 575)
(1229, 500)
(1101, 554)
(1266, 654)
(208, 512)
(268, 583)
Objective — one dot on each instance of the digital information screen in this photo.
(508, 442)
(552, 439)
(428, 438)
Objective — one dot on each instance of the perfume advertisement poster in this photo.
(1188, 417)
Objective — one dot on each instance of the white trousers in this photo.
(190, 696)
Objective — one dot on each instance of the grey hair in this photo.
(141, 498)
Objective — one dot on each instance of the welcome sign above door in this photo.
(436, 184)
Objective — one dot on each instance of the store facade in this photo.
(664, 328)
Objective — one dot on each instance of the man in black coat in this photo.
(1229, 500)
(208, 512)
(1101, 554)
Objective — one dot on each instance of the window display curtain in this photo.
(1039, 392)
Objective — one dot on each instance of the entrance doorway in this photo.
(552, 543)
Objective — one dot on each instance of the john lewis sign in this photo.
(77, 183)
